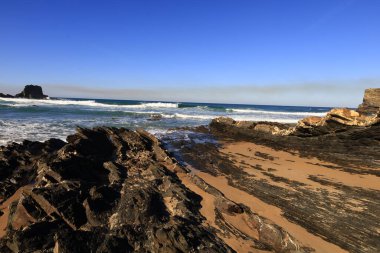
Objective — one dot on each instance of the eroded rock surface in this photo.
(106, 190)
(337, 120)
(326, 185)
(371, 101)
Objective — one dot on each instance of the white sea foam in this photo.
(19, 102)
(252, 111)
(40, 125)
(191, 116)
(270, 119)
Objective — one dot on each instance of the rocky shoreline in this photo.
(229, 187)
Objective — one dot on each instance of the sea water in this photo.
(58, 117)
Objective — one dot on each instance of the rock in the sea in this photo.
(106, 190)
(32, 91)
(2, 95)
(371, 101)
(155, 117)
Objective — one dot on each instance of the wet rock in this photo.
(356, 151)
(224, 124)
(155, 117)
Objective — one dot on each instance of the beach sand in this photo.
(290, 175)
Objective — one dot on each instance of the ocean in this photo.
(58, 117)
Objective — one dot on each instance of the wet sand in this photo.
(303, 195)
(270, 212)
(208, 211)
(4, 207)
(293, 167)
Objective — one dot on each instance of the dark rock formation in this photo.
(371, 101)
(106, 190)
(2, 95)
(31, 91)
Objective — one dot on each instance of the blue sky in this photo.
(293, 52)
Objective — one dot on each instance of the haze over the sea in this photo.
(315, 53)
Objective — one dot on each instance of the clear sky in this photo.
(294, 52)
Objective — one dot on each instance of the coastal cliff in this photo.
(371, 101)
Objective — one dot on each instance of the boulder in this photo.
(371, 101)
(32, 92)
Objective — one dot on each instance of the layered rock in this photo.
(106, 190)
(336, 120)
(371, 101)
(30, 91)
(225, 124)
(270, 167)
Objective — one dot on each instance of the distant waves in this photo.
(57, 117)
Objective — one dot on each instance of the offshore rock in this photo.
(2, 95)
(105, 190)
(371, 101)
(32, 92)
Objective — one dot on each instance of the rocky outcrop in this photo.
(225, 124)
(30, 91)
(2, 95)
(252, 163)
(336, 120)
(326, 138)
(371, 101)
(105, 190)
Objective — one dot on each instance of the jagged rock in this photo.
(371, 101)
(32, 91)
(105, 190)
